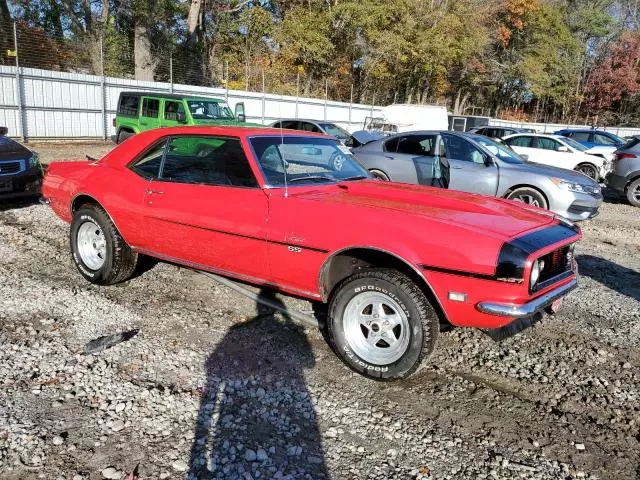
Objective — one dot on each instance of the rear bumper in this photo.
(616, 182)
(529, 309)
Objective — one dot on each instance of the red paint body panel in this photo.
(262, 236)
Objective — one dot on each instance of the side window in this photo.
(460, 149)
(420, 145)
(171, 110)
(309, 127)
(276, 125)
(291, 125)
(391, 145)
(602, 139)
(207, 161)
(547, 143)
(579, 136)
(148, 166)
(150, 107)
(521, 141)
(128, 105)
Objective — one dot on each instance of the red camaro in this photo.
(296, 212)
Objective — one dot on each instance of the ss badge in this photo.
(294, 249)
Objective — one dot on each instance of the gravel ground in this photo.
(213, 387)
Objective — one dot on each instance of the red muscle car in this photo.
(296, 212)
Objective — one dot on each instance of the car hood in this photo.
(478, 213)
(549, 171)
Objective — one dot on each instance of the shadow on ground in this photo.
(8, 202)
(616, 277)
(256, 414)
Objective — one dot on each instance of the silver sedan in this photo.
(475, 163)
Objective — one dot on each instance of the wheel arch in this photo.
(345, 262)
(525, 185)
(82, 199)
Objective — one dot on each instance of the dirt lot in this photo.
(212, 387)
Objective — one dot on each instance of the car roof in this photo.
(317, 122)
(531, 134)
(172, 96)
(235, 131)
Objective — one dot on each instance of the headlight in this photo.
(34, 160)
(536, 268)
(576, 187)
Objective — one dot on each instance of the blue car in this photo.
(592, 138)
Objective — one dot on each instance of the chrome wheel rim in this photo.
(635, 193)
(91, 244)
(376, 328)
(528, 199)
(338, 162)
(587, 170)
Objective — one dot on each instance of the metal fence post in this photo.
(263, 96)
(297, 92)
(171, 72)
(19, 91)
(103, 91)
(226, 83)
(326, 93)
(350, 104)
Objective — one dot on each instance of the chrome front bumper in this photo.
(528, 309)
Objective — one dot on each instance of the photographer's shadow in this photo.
(256, 413)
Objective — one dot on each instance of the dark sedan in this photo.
(20, 169)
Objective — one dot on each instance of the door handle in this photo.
(389, 156)
(156, 192)
(456, 167)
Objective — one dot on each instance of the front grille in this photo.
(555, 263)
(8, 168)
(557, 266)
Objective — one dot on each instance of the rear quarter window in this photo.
(128, 106)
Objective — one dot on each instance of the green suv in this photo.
(140, 111)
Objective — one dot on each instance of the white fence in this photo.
(553, 127)
(38, 103)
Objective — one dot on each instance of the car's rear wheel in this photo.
(589, 170)
(633, 193)
(379, 174)
(123, 135)
(381, 324)
(530, 196)
(98, 249)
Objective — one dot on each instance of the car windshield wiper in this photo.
(313, 178)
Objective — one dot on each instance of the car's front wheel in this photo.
(589, 170)
(98, 249)
(381, 324)
(529, 196)
(633, 193)
(379, 174)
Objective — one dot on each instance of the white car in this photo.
(558, 151)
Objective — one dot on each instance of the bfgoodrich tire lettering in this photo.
(119, 261)
(413, 307)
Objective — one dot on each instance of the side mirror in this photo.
(181, 117)
(563, 149)
(239, 110)
(524, 156)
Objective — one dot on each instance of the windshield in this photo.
(335, 131)
(501, 151)
(209, 110)
(306, 160)
(573, 144)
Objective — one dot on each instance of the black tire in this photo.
(588, 169)
(530, 196)
(421, 318)
(379, 174)
(123, 135)
(119, 261)
(633, 193)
